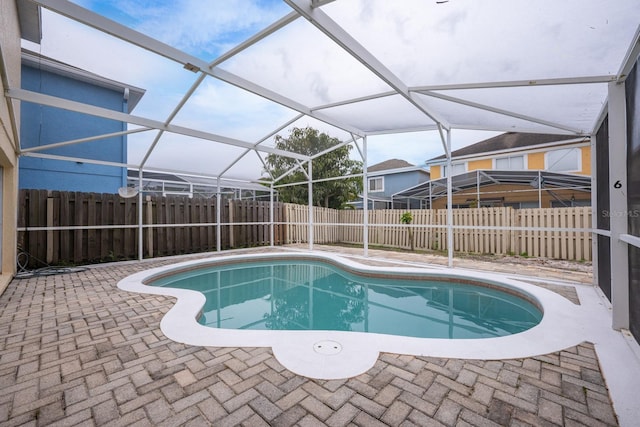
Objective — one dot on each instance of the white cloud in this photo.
(203, 28)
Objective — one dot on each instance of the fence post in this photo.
(149, 229)
(49, 256)
(232, 241)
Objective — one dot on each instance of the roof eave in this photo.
(440, 160)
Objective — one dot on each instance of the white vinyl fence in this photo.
(564, 235)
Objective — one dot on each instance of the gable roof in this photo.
(389, 164)
(507, 141)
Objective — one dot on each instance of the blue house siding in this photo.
(395, 180)
(399, 181)
(42, 125)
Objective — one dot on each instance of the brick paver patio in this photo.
(75, 350)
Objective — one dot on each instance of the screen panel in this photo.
(633, 198)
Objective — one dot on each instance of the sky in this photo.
(304, 66)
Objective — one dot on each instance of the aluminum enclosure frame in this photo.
(417, 97)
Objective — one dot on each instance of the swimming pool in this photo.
(318, 295)
(334, 354)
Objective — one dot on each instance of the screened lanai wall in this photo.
(357, 69)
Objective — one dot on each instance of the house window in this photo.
(510, 163)
(563, 160)
(376, 184)
(457, 168)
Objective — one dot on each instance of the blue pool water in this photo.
(313, 295)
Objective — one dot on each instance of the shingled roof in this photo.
(389, 164)
(506, 141)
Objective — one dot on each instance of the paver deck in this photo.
(76, 350)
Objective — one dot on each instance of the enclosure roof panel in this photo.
(133, 175)
(467, 41)
(464, 181)
(218, 76)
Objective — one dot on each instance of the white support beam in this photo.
(299, 166)
(11, 129)
(630, 58)
(619, 253)
(266, 167)
(355, 100)
(81, 140)
(279, 99)
(518, 83)
(501, 129)
(502, 112)
(140, 217)
(449, 204)
(260, 141)
(94, 20)
(172, 115)
(279, 128)
(362, 156)
(80, 160)
(52, 101)
(365, 197)
(490, 178)
(630, 239)
(404, 130)
(99, 22)
(242, 46)
(310, 201)
(187, 173)
(342, 38)
(330, 149)
(594, 207)
(318, 3)
(218, 216)
(280, 23)
(271, 217)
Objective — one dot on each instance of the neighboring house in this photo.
(520, 170)
(388, 177)
(43, 125)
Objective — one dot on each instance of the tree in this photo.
(329, 194)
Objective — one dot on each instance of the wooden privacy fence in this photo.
(482, 230)
(91, 227)
(57, 227)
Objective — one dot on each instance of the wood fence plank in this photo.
(78, 243)
(330, 226)
(93, 249)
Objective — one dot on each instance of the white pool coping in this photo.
(563, 324)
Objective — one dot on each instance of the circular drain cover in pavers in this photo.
(327, 347)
